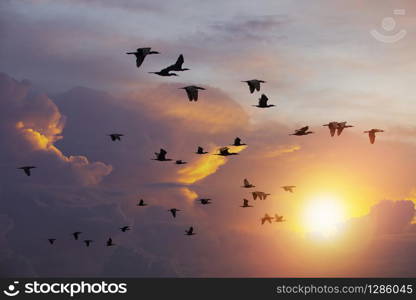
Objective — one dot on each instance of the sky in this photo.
(66, 83)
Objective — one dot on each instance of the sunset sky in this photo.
(66, 83)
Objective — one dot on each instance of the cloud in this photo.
(32, 124)
(204, 166)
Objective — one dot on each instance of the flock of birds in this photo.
(192, 92)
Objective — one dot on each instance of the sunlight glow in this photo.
(323, 215)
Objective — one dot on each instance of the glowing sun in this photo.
(323, 215)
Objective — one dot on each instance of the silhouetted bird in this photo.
(302, 131)
(141, 203)
(110, 242)
(192, 92)
(247, 184)
(260, 195)
(88, 242)
(116, 136)
(76, 234)
(237, 142)
(161, 156)
(200, 150)
(180, 162)
(263, 102)
(141, 53)
(173, 211)
(51, 241)
(332, 127)
(190, 231)
(245, 203)
(205, 201)
(342, 126)
(372, 134)
(125, 228)
(254, 84)
(224, 151)
(27, 169)
(266, 218)
(278, 218)
(288, 188)
(177, 66)
(164, 72)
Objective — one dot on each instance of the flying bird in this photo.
(180, 162)
(372, 134)
(342, 126)
(174, 211)
(254, 84)
(263, 102)
(200, 150)
(51, 241)
(141, 203)
(115, 136)
(141, 53)
(266, 218)
(88, 242)
(205, 201)
(192, 92)
(237, 142)
(125, 228)
(288, 188)
(190, 231)
(110, 242)
(260, 195)
(177, 66)
(245, 203)
(302, 131)
(161, 156)
(27, 169)
(278, 218)
(76, 234)
(333, 126)
(247, 184)
(166, 72)
(224, 151)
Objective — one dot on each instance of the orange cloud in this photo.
(204, 166)
(281, 150)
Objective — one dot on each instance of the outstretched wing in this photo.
(179, 62)
(257, 85)
(372, 136)
(332, 129)
(190, 94)
(251, 86)
(263, 100)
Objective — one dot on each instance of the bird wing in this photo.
(332, 129)
(254, 195)
(246, 183)
(251, 86)
(245, 202)
(303, 129)
(27, 171)
(139, 59)
(178, 64)
(263, 100)
(372, 136)
(257, 85)
(195, 94)
(340, 129)
(190, 94)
